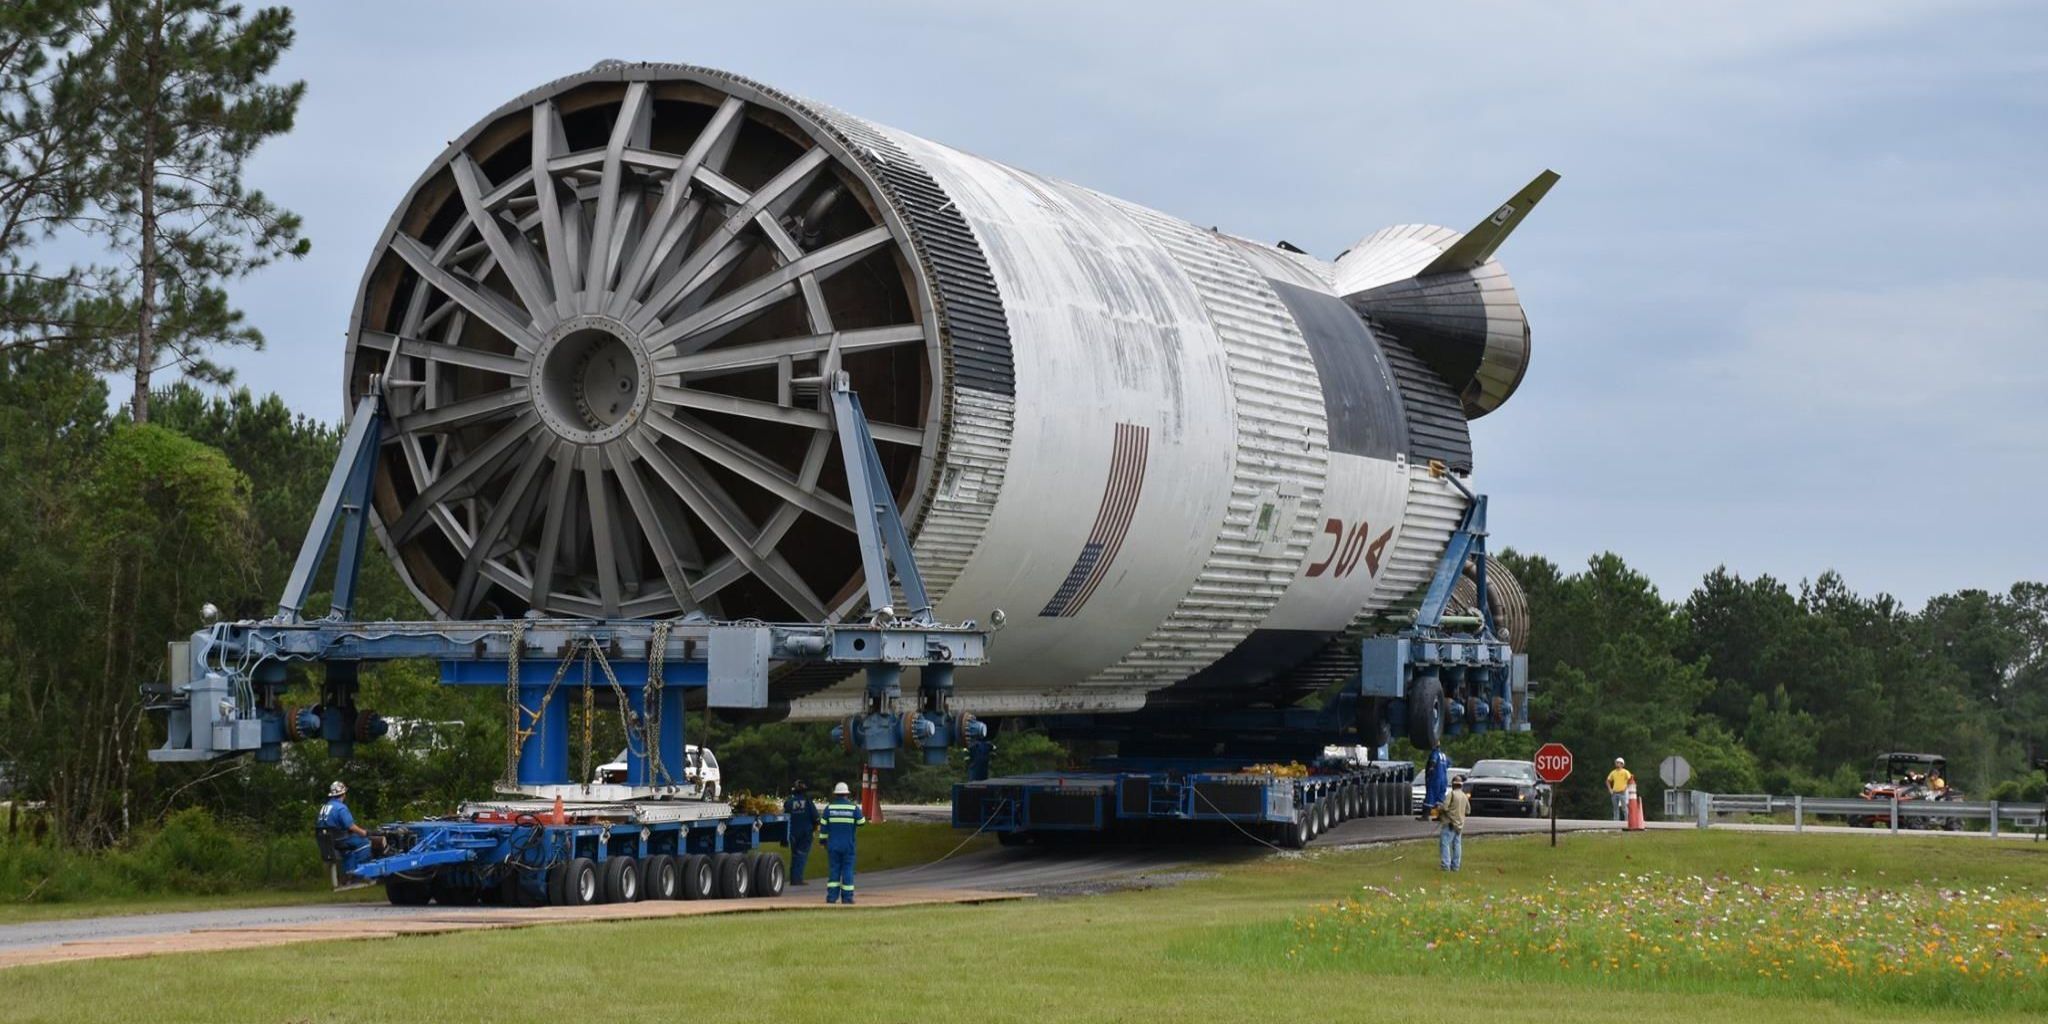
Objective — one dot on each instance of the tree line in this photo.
(124, 219)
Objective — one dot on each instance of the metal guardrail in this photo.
(1891, 814)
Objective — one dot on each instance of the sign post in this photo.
(1553, 765)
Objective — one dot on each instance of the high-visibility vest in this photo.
(841, 818)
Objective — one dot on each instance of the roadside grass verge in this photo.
(192, 856)
(1170, 954)
(195, 863)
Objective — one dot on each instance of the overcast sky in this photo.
(1789, 308)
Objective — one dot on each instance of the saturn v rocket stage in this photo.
(1191, 468)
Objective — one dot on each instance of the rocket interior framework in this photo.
(1188, 466)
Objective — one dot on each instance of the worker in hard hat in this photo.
(841, 818)
(338, 824)
(803, 828)
(1618, 782)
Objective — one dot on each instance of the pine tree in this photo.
(183, 99)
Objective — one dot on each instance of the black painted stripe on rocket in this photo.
(971, 312)
(1360, 397)
(1437, 428)
(1128, 453)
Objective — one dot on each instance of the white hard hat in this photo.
(841, 790)
(1619, 761)
(338, 789)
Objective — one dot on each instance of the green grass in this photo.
(1156, 955)
(896, 844)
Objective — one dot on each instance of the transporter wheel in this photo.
(699, 881)
(1372, 725)
(733, 883)
(450, 895)
(621, 880)
(581, 885)
(769, 876)
(660, 878)
(1013, 839)
(1426, 713)
(1295, 835)
(512, 891)
(408, 892)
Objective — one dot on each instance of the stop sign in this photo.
(1553, 763)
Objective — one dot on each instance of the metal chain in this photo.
(650, 717)
(589, 709)
(513, 706)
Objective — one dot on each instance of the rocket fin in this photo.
(1476, 245)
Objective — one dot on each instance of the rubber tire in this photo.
(552, 890)
(770, 876)
(408, 892)
(621, 880)
(1013, 839)
(581, 884)
(733, 883)
(512, 890)
(700, 881)
(1373, 732)
(1296, 835)
(1426, 697)
(462, 896)
(661, 878)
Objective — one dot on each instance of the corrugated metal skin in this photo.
(970, 314)
(1434, 508)
(1436, 422)
(1390, 254)
(1282, 444)
(969, 483)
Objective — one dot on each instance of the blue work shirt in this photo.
(978, 754)
(803, 814)
(1438, 779)
(334, 814)
(842, 817)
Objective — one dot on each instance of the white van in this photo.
(700, 769)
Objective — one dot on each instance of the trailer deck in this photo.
(1119, 793)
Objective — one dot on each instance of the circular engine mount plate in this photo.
(603, 320)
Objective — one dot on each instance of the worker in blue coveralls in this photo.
(1436, 781)
(842, 817)
(979, 751)
(334, 814)
(803, 827)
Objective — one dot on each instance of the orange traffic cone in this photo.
(1635, 809)
(870, 793)
(561, 816)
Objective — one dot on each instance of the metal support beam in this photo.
(876, 519)
(345, 502)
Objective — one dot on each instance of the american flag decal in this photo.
(1112, 522)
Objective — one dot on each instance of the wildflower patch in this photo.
(1983, 946)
